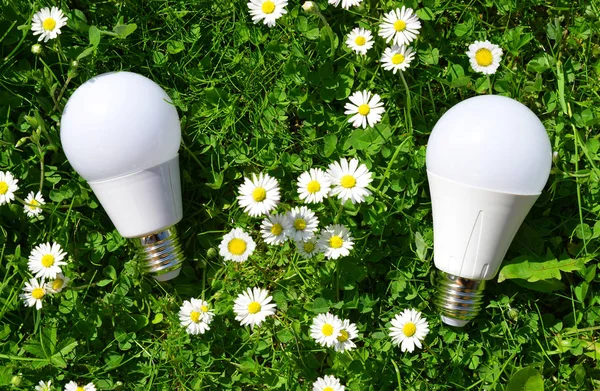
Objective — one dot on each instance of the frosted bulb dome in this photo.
(119, 123)
(491, 142)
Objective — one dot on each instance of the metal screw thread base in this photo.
(458, 299)
(161, 254)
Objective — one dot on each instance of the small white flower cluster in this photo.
(251, 308)
(8, 187)
(348, 180)
(330, 331)
(45, 263)
(70, 386)
(400, 26)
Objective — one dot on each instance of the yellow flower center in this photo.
(38, 293)
(335, 241)
(49, 24)
(409, 329)
(80, 389)
(48, 260)
(399, 25)
(360, 40)
(195, 316)
(3, 187)
(276, 229)
(254, 307)
(309, 247)
(236, 246)
(348, 181)
(484, 57)
(204, 308)
(364, 109)
(33, 202)
(300, 224)
(268, 7)
(397, 59)
(327, 329)
(57, 284)
(343, 336)
(259, 194)
(328, 389)
(313, 186)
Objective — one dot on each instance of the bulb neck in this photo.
(161, 254)
(458, 299)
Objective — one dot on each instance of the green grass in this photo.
(256, 99)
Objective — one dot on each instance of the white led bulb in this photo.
(120, 132)
(488, 159)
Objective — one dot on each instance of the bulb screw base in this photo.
(458, 299)
(161, 254)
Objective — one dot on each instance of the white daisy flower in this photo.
(308, 249)
(34, 293)
(349, 180)
(360, 40)
(195, 316)
(484, 57)
(43, 386)
(325, 329)
(267, 10)
(408, 329)
(346, 4)
(72, 386)
(313, 186)
(364, 109)
(273, 229)
(34, 200)
(8, 186)
(58, 284)
(253, 306)
(47, 23)
(236, 246)
(335, 241)
(36, 49)
(401, 26)
(302, 223)
(397, 58)
(328, 383)
(347, 334)
(260, 195)
(45, 260)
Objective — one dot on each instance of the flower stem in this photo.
(490, 85)
(408, 104)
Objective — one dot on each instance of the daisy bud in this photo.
(211, 253)
(36, 49)
(310, 7)
(16, 380)
(555, 157)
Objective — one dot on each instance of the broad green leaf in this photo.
(285, 335)
(329, 144)
(123, 30)
(94, 36)
(527, 379)
(319, 306)
(531, 269)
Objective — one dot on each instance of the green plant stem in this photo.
(490, 85)
(408, 103)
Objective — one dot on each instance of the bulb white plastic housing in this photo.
(120, 132)
(488, 159)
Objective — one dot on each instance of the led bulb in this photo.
(488, 159)
(120, 132)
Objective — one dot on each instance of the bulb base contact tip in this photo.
(458, 299)
(161, 254)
